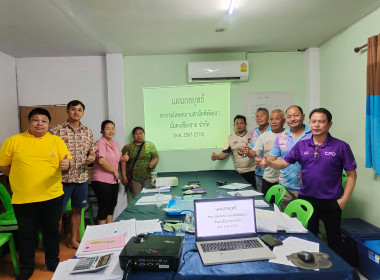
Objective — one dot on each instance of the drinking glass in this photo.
(159, 199)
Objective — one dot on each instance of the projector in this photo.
(152, 253)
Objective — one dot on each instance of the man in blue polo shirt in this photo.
(290, 177)
(323, 159)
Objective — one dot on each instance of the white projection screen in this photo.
(187, 117)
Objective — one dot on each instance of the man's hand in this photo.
(245, 149)
(5, 170)
(258, 161)
(266, 161)
(342, 203)
(91, 157)
(124, 158)
(65, 163)
(214, 156)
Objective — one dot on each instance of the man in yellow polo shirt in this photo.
(34, 161)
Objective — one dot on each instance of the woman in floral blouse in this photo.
(138, 171)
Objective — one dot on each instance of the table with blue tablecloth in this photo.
(193, 267)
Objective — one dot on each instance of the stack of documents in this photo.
(235, 186)
(113, 230)
(245, 193)
(103, 239)
(273, 221)
(156, 190)
(104, 243)
(150, 200)
(119, 233)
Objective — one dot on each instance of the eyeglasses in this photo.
(316, 151)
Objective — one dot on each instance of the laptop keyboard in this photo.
(230, 245)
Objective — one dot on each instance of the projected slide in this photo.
(187, 117)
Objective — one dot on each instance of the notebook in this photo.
(225, 222)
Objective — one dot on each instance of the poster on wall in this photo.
(270, 100)
(187, 117)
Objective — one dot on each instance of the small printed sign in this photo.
(373, 256)
(243, 67)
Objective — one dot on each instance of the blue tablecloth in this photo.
(194, 269)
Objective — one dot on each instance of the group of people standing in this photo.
(306, 160)
(47, 168)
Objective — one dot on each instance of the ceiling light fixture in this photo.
(232, 7)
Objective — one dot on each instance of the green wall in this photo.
(284, 71)
(343, 91)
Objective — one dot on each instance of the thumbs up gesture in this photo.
(124, 158)
(264, 162)
(91, 157)
(245, 149)
(258, 161)
(214, 156)
(65, 163)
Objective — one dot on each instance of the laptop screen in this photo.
(224, 218)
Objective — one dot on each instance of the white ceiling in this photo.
(35, 28)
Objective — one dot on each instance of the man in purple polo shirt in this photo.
(323, 159)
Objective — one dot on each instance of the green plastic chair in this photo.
(302, 208)
(276, 191)
(8, 237)
(8, 221)
(8, 218)
(344, 178)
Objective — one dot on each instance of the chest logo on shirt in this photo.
(306, 153)
(333, 154)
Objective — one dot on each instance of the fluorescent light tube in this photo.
(232, 7)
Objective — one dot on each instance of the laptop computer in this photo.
(225, 231)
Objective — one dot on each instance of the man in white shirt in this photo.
(262, 120)
(264, 144)
(234, 144)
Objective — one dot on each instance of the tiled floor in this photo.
(361, 276)
(41, 272)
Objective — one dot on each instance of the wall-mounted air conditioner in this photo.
(208, 71)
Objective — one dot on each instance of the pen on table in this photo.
(105, 241)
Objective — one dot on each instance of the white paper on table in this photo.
(272, 221)
(261, 203)
(156, 190)
(265, 221)
(235, 186)
(290, 225)
(163, 182)
(126, 227)
(111, 272)
(148, 226)
(245, 193)
(149, 200)
(292, 245)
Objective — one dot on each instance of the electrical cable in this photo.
(183, 257)
(126, 270)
